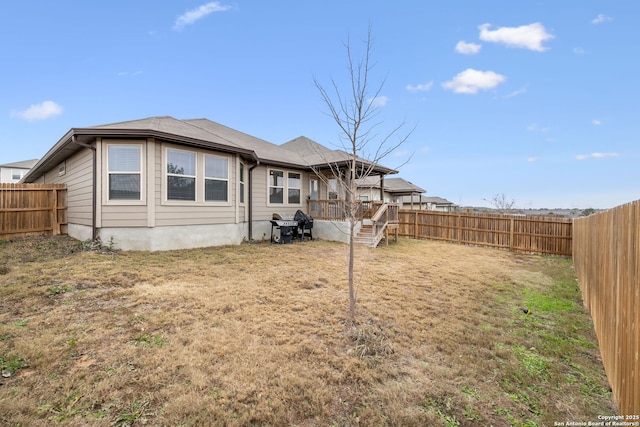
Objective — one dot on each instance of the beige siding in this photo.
(121, 213)
(78, 177)
(169, 213)
(262, 209)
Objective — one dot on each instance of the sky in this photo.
(534, 100)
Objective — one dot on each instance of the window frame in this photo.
(242, 170)
(285, 187)
(107, 200)
(206, 178)
(200, 177)
(168, 174)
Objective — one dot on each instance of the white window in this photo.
(313, 189)
(216, 178)
(333, 188)
(276, 186)
(283, 191)
(125, 172)
(293, 184)
(17, 174)
(241, 174)
(181, 175)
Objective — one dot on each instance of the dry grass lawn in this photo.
(258, 334)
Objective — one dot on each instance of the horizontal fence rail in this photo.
(606, 256)
(518, 233)
(32, 209)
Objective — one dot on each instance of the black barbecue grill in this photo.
(291, 227)
(305, 224)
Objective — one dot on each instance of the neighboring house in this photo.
(429, 203)
(161, 183)
(395, 190)
(12, 173)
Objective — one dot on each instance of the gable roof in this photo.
(319, 157)
(24, 164)
(265, 151)
(199, 133)
(391, 185)
(424, 199)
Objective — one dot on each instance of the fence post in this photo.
(459, 228)
(511, 234)
(55, 226)
(415, 226)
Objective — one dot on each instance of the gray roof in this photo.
(265, 151)
(201, 133)
(391, 185)
(25, 164)
(320, 157)
(425, 199)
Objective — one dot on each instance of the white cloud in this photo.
(200, 12)
(534, 127)
(601, 18)
(422, 87)
(470, 81)
(596, 156)
(402, 153)
(517, 92)
(379, 101)
(597, 122)
(467, 48)
(578, 51)
(533, 159)
(526, 36)
(40, 111)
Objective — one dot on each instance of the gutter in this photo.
(94, 196)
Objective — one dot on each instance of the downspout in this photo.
(94, 196)
(251, 197)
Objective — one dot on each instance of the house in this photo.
(161, 183)
(12, 173)
(395, 190)
(428, 203)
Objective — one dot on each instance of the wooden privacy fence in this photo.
(30, 209)
(606, 256)
(518, 233)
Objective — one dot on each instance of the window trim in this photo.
(107, 174)
(285, 187)
(242, 170)
(200, 178)
(205, 178)
(167, 174)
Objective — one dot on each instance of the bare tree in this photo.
(354, 109)
(501, 202)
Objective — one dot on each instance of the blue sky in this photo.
(537, 100)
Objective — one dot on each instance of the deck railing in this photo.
(383, 219)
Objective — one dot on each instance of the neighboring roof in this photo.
(425, 199)
(200, 133)
(25, 164)
(320, 157)
(438, 201)
(391, 185)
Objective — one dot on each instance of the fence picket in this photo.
(28, 209)
(526, 234)
(606, 256)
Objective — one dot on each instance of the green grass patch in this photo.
(155, 340)
(9, 365)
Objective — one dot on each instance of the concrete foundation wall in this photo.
(334, 231)
(195, 236)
